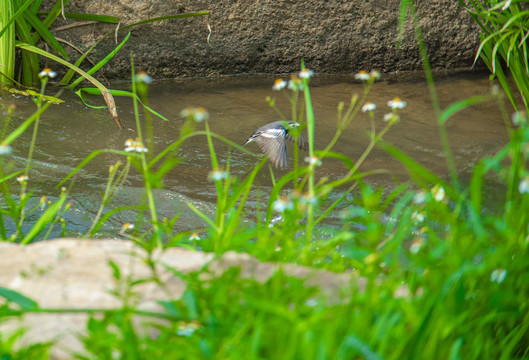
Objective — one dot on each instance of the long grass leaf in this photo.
(101, 63)
(345, 159)
(88, 17)
(30, 61)
(89, 158)
(106, 94)
(7, 43)
(203, 216)
(22, 127)
(15, 16)
(416, 170)
(179, 16)
(24, 302)
(96, 91)
(45, 34)
(44, 220)
(460, 105)
(110, 213)
(55, 12)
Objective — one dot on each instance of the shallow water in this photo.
(69, 132)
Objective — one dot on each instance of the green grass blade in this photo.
(179, 16)
(460, 105)
(30, 61)
(45, 34)
(45, 219)
(420, 174)
(35, 6)
(7, 43)
(102, 62)
(331, 154)
(203, 216)
(92, 156)
(104, 91)
(55, 12)
(22, 127)
(15, 16)
(110, 213)
(88, 17)
(95, 91)
(24, 302)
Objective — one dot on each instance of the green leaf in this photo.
(346, 160)
(22, 127)
(89, 17)
(460, 105)
(116, 273)
(109, 214)
(19, 12)
(179, 16)
(419, 173)
(46, 35)
(170, 308)
(13, 296)
(90, 157)
(203, 216)
(46, 218)
(352, 342)
(95, 91)
(102, 62)
(104, 91)
(31, 93)
(191, 304)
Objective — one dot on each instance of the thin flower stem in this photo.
(145, 168)
(310, 130)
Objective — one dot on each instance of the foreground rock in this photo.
(75, 274)
(273, 36)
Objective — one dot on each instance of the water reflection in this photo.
(237, 106)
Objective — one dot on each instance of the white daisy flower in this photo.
(279, 84)
(498, 275)
(391, 117)
(438, 193)
(5, 149)
(127, 226)
(397, 103)
(368, 106)
(524, 186)
(217, 175)
(305, 74)
(47, 72)
(362, 75)
(282, 204)
(313, 160)
(143, 77)
(419, 197)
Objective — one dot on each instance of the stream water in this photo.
(69, 132)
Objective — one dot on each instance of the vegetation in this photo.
(504, 26)
(445, 273)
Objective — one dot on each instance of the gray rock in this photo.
(75, 274)
(273, 36)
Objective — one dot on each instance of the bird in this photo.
(271, 139)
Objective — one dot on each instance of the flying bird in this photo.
(271, 139)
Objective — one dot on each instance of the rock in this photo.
(273, 36)
(75, 274)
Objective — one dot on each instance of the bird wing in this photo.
(303, 144)
(272, 143)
